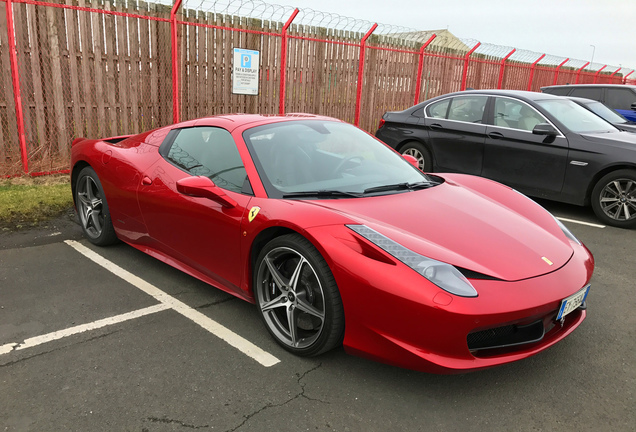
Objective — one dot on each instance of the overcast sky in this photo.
(566, 28)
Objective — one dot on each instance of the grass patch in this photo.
(26, 202)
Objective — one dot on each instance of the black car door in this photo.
(513, 155)
(457, 133)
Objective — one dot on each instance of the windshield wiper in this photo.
(322, 194)
(400, 186)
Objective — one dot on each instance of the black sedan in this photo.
(605, 112)
(542, 145)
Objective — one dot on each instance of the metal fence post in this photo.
(175, 61)
(15, 76)
(534, 65)
(466, 61)
(597, 73)
(612, 75)
(363, 44)
(283, 61)
(420, 66)
(625, 77)
(578, 73)
(556, 72)
(503, 66)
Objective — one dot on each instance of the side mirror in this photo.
(410, 159)
(633, 106)
(545, 129)
(203, 187)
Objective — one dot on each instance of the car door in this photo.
(195, 231)
(513, 155)
(457, 133)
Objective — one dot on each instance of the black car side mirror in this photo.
(545, 129)
(633, 106)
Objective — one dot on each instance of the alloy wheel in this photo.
(618, 199)
(90, 206)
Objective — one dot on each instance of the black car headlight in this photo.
(444, 275)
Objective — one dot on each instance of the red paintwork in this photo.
(392, 313)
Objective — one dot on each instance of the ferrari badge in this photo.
(253, 212)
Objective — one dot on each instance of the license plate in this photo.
(574, 301)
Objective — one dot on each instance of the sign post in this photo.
(245, 71)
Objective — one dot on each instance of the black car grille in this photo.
(509, 335)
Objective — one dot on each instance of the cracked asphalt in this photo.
(163, 372)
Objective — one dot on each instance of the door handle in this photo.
(495, 135)
(146, 181)
(436, 126)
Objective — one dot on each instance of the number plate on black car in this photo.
(574, 301)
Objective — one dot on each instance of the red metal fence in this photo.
(73, 68)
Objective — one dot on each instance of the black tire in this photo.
(299, 303)
(614, 199)
(92, 209)
(419, 152)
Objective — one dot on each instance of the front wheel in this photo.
(419, 152)
(614, 199)
(92, 208)
(297, 296)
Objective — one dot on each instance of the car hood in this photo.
(618, 139)
(482, 226)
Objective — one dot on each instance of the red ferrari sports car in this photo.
(337, 239)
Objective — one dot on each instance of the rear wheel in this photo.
(419, 152)
(297, 296)
(614, 199)
(93, 209)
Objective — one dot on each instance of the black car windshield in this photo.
(317, 159)
(607, 113)
(574, 117)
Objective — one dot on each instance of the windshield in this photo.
(326, 159)
(574, 117)
(607, 113)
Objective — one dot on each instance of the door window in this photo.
(516, 114)
(620, 98)
(593, 93)
(438, 109)
(467, 108)
(211, 152)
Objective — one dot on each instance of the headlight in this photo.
(566, 231)
(441, 274)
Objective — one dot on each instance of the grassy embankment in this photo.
(26, 202)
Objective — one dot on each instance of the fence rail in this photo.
(99, 68)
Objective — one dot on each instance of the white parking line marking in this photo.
(580, 222)
(39, 340)
(238, 342)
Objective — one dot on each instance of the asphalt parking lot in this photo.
(111, 339)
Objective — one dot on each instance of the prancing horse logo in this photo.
(253, 212)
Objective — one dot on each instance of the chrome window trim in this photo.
(453, 97)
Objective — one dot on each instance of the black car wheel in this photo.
(297, 296)
(614, 199)
(419, 152)
(93, 209)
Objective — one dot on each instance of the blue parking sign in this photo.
(245, 71)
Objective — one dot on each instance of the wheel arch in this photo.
(403, 143)
(602, 173)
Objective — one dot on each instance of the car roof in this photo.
(232, 121)
(590, 85)
(581, 100)
(520, 94)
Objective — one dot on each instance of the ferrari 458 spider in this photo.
(338, 239)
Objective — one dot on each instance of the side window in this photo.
(620, 98)
(589, 93)
(516, 114)
(467, 108)
(438, 109)
(211, 152)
